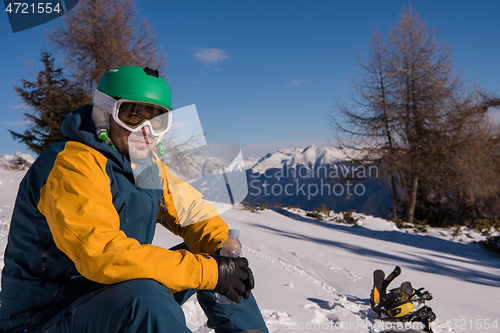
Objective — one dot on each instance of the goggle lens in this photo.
(134, 114)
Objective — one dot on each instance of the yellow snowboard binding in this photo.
(400, 304)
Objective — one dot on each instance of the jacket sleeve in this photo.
(77, 203)
(186, 215)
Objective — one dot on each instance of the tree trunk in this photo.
(394, 198)
(412, 200)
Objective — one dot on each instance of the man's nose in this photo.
(146, 130)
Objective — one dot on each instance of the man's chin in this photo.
(139, 152)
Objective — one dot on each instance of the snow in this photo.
(9, 161)
(317, 275)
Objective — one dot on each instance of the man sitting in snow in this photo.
(79, 256)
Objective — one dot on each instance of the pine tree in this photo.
(50, 98)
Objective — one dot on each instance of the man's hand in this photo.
(235, 278)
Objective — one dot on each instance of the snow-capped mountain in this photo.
(316, 176)
(310, 156)
(16, 161)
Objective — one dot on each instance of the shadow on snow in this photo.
(445, 249)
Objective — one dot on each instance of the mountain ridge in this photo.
(309, 156)
(313, 177)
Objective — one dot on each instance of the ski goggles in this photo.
(133, 115)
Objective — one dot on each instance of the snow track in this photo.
(292, 268)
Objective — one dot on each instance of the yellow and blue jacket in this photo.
(82, 220)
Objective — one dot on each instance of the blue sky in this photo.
(263, 73)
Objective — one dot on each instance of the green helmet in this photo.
(130, 83)
(136, 84)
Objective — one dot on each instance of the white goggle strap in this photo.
(105, 102)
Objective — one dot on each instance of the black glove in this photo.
(235, 278)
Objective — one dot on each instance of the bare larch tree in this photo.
(412, 113)
(98, 35)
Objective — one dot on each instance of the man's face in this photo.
(137, 145)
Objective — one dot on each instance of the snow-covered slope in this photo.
(317, 275)
(9, 184)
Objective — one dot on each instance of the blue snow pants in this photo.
(145, 306)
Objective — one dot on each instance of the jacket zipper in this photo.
(148, 230)
(44, 262)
